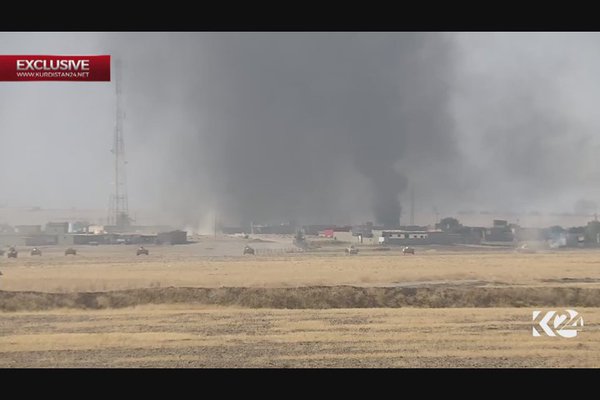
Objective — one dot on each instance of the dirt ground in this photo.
(211, 264)
(162, 336)
(190, 334)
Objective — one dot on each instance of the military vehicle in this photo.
(141, 250)
(408, 250)
(12, 253)
(351, 250)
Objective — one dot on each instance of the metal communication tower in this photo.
(412, 204)
(119, 208)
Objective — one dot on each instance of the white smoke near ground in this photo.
(207, 224)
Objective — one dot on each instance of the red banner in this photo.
(55, 68)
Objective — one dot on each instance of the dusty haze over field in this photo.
(331, 127)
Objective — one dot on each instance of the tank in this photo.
(12, 253)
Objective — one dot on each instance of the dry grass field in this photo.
(201, 305)
(117, 267)
(171, 336)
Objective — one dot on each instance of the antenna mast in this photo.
(412, 204)
(119, 206)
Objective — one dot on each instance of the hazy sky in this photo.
(329, 127)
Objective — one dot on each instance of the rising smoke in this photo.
(312, 127)
(278, 122)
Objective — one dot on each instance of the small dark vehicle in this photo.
(70, 251)
(12, 253)
(141, 250)
(408, 250)
(352, 250)
(248, 250)
(36, 252)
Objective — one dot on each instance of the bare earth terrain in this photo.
(220, 337)
(205, 305)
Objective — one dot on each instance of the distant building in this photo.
(530, 234)
(139, 229)
(41, 240)
(57, 228)
(12, 240)
(592, 233)
(412, 228)
(173, 237)
(275, 229)
(96, 229)
(65, 239)
(406, 238)
(79, 227)
(28, 229)
(87, 238)
(574, 239)
(327, 233)
(473, 235)
(364, 231)
(498, 235)
(346, 228)
(315, 230)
